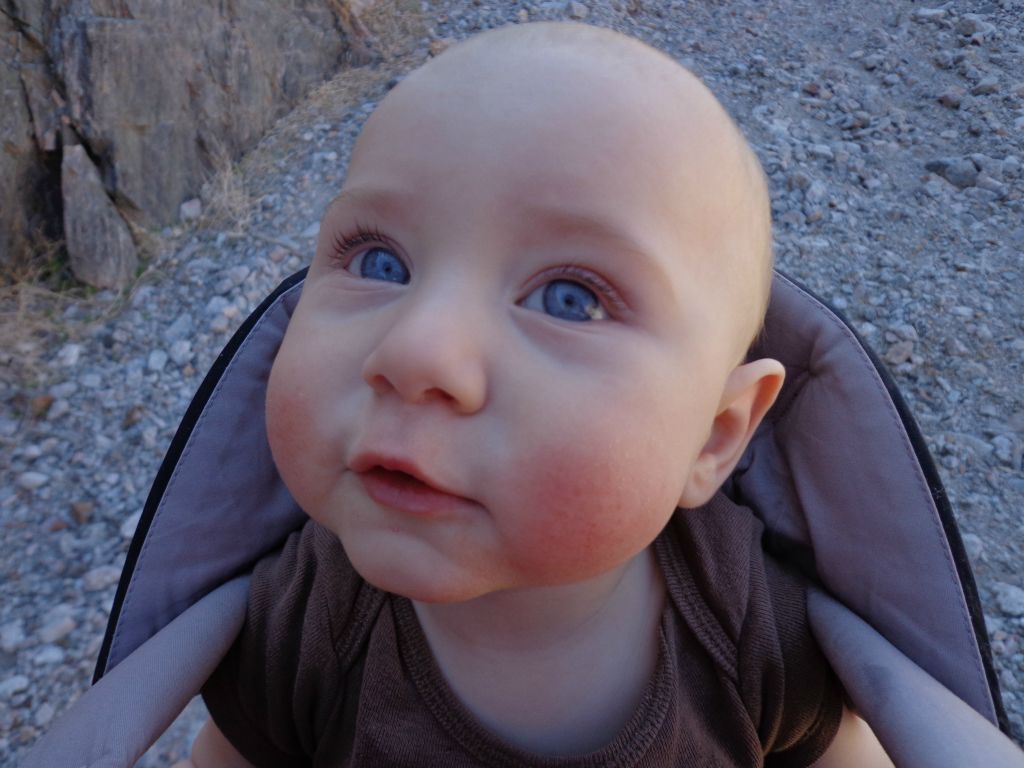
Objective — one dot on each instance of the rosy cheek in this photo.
(587, 511)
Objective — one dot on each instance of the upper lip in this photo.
(364, 462)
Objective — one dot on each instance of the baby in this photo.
(520, 347)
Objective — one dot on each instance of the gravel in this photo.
(892, 135)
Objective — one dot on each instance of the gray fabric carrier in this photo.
(838, 471)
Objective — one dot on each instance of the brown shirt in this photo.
(329, 671)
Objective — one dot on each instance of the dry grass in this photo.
(225, 196)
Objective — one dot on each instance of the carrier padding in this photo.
(839, 472)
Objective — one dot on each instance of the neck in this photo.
(556, 670)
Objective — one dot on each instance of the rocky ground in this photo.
(893, 134)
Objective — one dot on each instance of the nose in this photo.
(432, 351)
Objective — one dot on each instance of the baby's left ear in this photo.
(749, 392)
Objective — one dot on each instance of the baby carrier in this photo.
(838, 471)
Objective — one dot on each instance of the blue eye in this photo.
(380, 264)
(567, 300)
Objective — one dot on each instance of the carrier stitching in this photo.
(114, 643)
(864, 361)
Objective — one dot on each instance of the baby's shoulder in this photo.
(308, 588)
(716, 568)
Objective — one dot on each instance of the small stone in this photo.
(985, 181)
(821, 151)
(101, 577)
(578, 11)
(58, 409)
(57, 626)
(128, 526)
(1010, 599)
(952, 97)
(30, 481)
(12, 636)
(12, 685)
(929, 14)
(1004, 448)
(133, 416)
(181, 328)
(437, 47)
(191, 210)
(216, 305)
(798, 180)
(986, 86)
(311, 231)
(872, 61)
(899, 352)
(69, 355)
(278, 254)
(974, 24)
(975, 547)
(44, 714)
(157, 360)
(219, 324)
(40, 404)
(81, 511)
(181, 351)
(958, 171)
(48, 654)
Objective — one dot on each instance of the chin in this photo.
(415, 585)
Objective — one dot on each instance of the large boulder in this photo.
(100, 246)
(154, 89)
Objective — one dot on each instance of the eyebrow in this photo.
(566, 221)
(378, 200)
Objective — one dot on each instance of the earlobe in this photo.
(749, 392)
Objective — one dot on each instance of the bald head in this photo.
(612, 100)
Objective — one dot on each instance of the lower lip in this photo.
(403, 493)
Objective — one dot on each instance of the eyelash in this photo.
(345, 244)
(608, 295)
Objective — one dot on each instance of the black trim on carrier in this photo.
(174, 452)
(945, 509)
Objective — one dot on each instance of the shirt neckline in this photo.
(631, 743)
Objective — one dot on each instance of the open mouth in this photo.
(406, 493)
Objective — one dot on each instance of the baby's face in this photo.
(513, 339)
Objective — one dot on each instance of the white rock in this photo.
(69, 355)
(181, 351)
(929, 14)
(578, 11)
(975, 547)
(12, 635)
(157, 360)
(128, 526)
(101, 577)
(311, 231)
(12, 685)
(57, 624)
(58, 409)
(48, 654)
(191, 209)
(30, 481)
(216, 305)
(1010, 599)
(44, 714)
